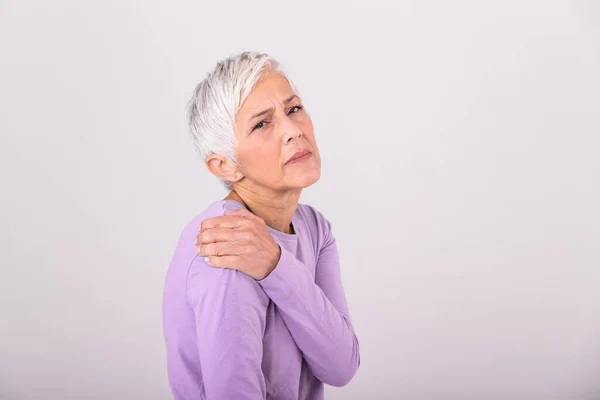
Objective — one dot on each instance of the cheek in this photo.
(308, 129)
(307, 125)
(309, 133)
(262, 157)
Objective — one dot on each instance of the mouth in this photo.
(299, 157)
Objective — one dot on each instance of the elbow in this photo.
(345, 374)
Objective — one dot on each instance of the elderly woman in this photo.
(253, 304)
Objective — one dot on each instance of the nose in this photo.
(291, 130)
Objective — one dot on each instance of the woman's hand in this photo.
(239, 240)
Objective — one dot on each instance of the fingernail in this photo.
(229, 206)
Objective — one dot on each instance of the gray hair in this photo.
(217, 99)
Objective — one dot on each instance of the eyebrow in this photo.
(269, 109)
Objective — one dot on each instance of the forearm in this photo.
(322, 331)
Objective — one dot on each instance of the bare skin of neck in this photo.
(277, 213)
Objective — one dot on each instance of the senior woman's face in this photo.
(271, 127)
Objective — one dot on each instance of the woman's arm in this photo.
(230, 309)
(316, 312)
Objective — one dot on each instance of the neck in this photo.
(276, 210)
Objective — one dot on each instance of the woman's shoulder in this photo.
(317, 222)
(192, 226)
(185, 250)
(312, 212)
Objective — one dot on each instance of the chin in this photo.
(301, 180)
(309, 179)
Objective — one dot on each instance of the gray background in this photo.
(460, 172)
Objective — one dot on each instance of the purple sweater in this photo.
(231, 337)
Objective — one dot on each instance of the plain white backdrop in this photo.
(461, 169)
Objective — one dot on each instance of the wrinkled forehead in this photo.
(269, 92)
(270, 88)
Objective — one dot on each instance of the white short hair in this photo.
(217, 99)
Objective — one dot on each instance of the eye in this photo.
(298, 108)
(260, 125)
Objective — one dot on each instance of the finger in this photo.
(226, 221)
(231, 262)
(222, 249)
(218, 234)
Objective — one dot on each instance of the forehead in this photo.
(271, 88)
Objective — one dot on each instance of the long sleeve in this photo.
(229, 309)
(315, 311)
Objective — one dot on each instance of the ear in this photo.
(221, 167)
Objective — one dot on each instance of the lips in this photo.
(298, 154)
